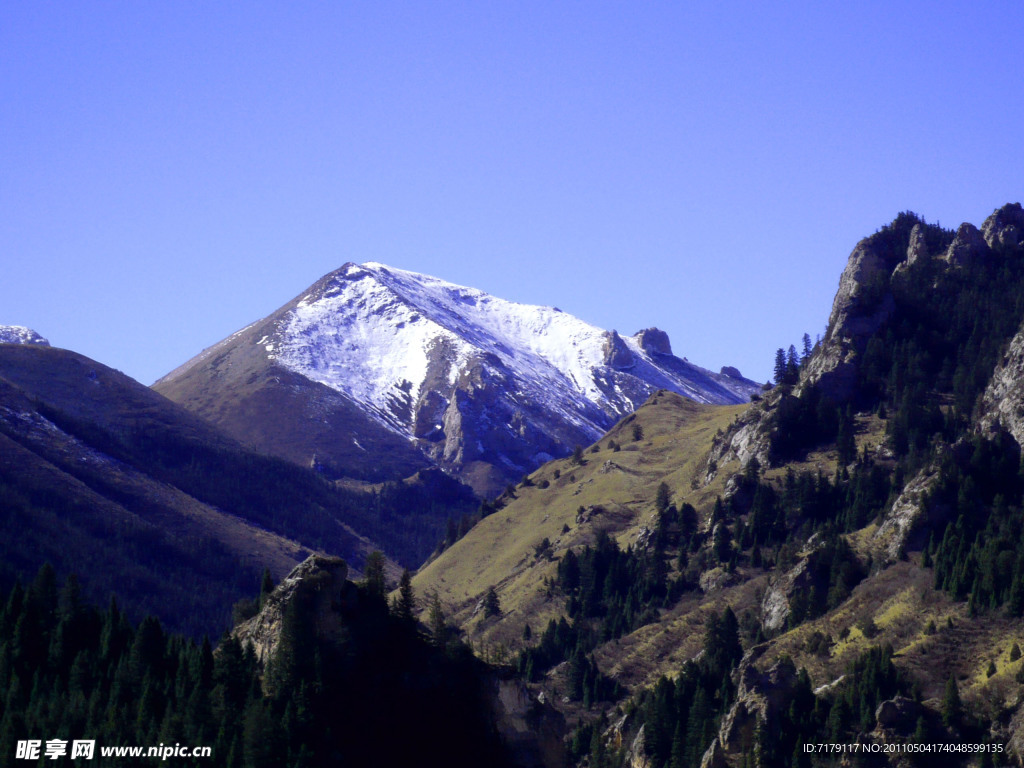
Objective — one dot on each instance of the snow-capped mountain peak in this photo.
(19, 334)
(399, 342)
(467, 377)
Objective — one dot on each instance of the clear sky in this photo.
(170, 172)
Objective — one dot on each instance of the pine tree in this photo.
(722, 543)
(436, 622)
(846, 444)
(779, 375)
(406, 607)
(374, 574)
(951, 703)
(792, 366)
(677, 758)
(266, 587)
(492, 605)
(663, 498)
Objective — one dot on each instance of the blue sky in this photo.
(170, 172)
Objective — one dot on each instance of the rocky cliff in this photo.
(864, 302)
(322, 580)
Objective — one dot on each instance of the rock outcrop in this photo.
(918, 248)
(759, 697)
(895, 533)
(1005, 227)
(967, 248)
(863, 302)
(1002, 404)
(532, 728)
(616, 354)
(776, 605)
(746, 438)
(636, 755)
(320, 578)
(654, 341)
(899, 714)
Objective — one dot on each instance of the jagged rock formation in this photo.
(378, 371)
(1005, 227)
(655, 341)
(863, 302)
(967, 247)
(759, 697)
(323, 579)
(747, 438)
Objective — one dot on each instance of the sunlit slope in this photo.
(666, 440)
(505, 550)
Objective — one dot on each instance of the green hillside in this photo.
(857, 530)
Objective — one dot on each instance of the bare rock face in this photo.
(968, 246)
(898, 714)
(895, 532)
(775, 607)
(636, 756)
(759, 696)
(862, 303)
(918, 248)
(655, 341)
(728, 370)
(1002, 404)
(1005, 227)
(616, 353)
(323, 578)
(1015, 746)
(532, 729)
(746, 438)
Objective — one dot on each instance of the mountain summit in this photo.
(19, 334)
(483, 387)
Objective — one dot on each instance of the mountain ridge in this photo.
(480, 386)
(865, 514)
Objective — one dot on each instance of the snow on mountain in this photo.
(373, 364)
(375, 332)
(19, 334)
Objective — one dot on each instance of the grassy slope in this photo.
(500, 550)
(677, 435)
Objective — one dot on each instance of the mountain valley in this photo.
(663, 567)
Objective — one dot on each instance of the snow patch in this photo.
(19, 334)
(376, 334)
